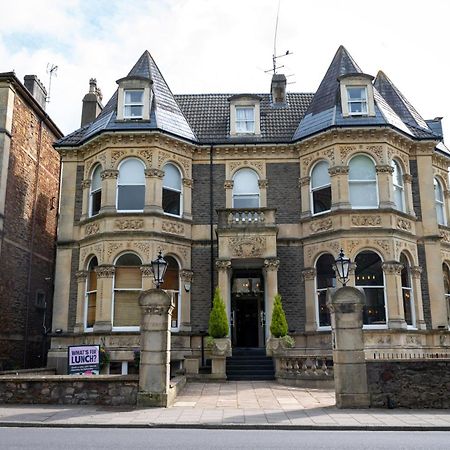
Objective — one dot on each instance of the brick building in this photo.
(255, 193)
(29, 189)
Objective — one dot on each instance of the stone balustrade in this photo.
(247, 217)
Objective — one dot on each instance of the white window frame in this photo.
(233, 195)
(447, 294)
(91, 192)
(400, 187)
(86, 298)
(409, 289)
(318, 291)
(123, 328)
(174, 190)
(137, 211)
(318, 188)
(245, 122)
(363, 101)
(125, 104)
(361, 181)
(440, 202)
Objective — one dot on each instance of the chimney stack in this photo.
(92, 103)
(278, 89)
(36, 88)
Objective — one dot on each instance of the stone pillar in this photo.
(109, 189)
(228, 186)
(224, 272)
(187, 198)
(416, 272)
(147, 277)
(339, 187)
(153, 190)
(103, 311)
(185, 281)
(352, 275)
(385, 186)
(394, 295)
(271, 288)
(262, 184)
(309, 275)
(154, 368)
(303, 184)
(350, 376)
(81, 277)
(407, 186)
(86, 185)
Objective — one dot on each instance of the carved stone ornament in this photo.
(321, 225)
(158, 310)
(187, 275)
(416, 271)
(271, 264)
(91, 229)
(445, 236)
(263, 183)
(376, 150)
(403, 224)
(187, 182)
(146, 270)
(109, 173)
(152, 172)
(105, 271)
(228, 184)
(407, 178)
(117, 155)
(345, 150)
(81, 275)
(309, 273)
(223, 264)
(172, 227)
(304, 181)
(366, 221)
(129, 224)
(384, 168)
(244, 247)
(338, 170)
(147, 155)
(392, 268)
(85, 184)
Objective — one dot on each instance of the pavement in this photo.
(235, 405)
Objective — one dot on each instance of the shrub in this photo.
(218, 322)
(278, 326)
(288, 341)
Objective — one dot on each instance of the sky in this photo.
(225, 46)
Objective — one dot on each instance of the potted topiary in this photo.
(279, 339)
(217, 342)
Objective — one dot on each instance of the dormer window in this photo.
(133, 104)
(244, 115)
(245, 119)
(357, 100)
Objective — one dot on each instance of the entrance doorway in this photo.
(247, 309)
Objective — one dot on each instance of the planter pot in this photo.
(221, 348)
(275, 347)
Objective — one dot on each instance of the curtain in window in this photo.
(362, 179)
(245, 120)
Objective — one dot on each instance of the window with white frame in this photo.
(325, 278)
(95, 195)
(362, 179)
(131, 185)
(245, 119)
(320, 188)
(171, 286)
(399, 191)
(369, 276)
(446, 274)
(357, 100)
(407, 292)
(91, 295)
(171, 194)
(127, 287)
(439, 202)
(245, 189)
(133, 103)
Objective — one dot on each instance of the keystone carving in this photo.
(244, 247)
(172, 227)
(129, 224)
(366, 221)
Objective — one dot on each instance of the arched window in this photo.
(325, 278)
(172, 286)
(320, 188)
(127, 287)
(407, 292)
(446, 273)
(362, 179)
(131, 185)
(397, 181)
(171, 194)
(439, 201)
(95, 197)
(369, 276)
(245, 189)
(91, 294)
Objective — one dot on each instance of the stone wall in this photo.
(409, 384)
(110, 390)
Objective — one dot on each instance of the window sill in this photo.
(125, 329)
(133, 211)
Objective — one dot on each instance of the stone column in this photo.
(407, 186)
(309, 275)
(351, 275)
(224, 272)
(185, 280)
(303, 184)
(394, 295)
(103, 311)
(416, 272)
(350, 376)
(86, 185)
(147, 277)
(339, 187)
(187, 198)
(271, 287)
(262, 184)
(154, 368)
(153, 190)
(385, 187)
(228, 186)
(81, 277)
(109, 189)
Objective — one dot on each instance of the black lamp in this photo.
(159, 266)
(342, 266)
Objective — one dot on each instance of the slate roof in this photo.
(205, 118)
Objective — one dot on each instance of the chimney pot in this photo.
(36, 89)
(92, 103)
(278, 89)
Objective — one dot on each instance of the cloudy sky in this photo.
(226, 45)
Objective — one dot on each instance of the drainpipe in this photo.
(211, 216)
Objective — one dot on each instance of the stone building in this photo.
(29, 185)
(255, 193)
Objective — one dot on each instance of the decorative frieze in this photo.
(403, 224)
(366, 221)
(90, 229)
(81, 275)
(109, 173)
(392, 268)
(152, 172)
(147, 155)
(172, 227)
(105, 271)
(245, 247)
(445, 236)
(129, 224)
(384, 168)
(116, 155)
(321, 225)
(345, 150)
(259, 165)
(376, 150)
(338, 170)
(113, 247)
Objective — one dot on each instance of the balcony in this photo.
(246, 218)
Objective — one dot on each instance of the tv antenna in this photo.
(274, 54)
(51, 70)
